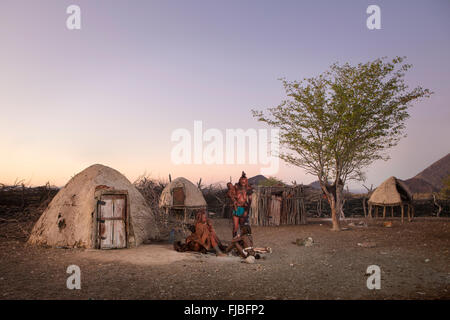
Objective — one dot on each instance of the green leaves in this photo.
(339, 122)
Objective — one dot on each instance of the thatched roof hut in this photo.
(182, 198)
(97, 208)
(392, 192)
(181, 193)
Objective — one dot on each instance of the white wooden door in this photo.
(112, 218)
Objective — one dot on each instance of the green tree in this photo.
(336, 124)
(271, 182)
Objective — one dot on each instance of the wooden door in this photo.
(112, 221)
(178, 196)
(275, 208)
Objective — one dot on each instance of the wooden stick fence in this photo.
(273, 206)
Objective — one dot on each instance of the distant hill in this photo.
(261, 180)
(315, 185)
(418, 185)
(256, 180)
(430, 179)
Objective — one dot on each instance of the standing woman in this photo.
(241, 202)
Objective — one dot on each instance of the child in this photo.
(231, 194)
(237, 210)
(244, 244)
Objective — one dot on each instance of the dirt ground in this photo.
(413, 257)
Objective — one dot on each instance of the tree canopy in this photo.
(337, 123)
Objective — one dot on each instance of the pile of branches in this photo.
(151, 189)
(23, 202)
(21, 206)
(317, 206)
(216, 198)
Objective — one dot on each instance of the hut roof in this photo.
(75, 203)
(193, 196)
(390, 192)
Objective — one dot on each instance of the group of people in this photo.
(204, 238)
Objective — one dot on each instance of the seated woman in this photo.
(203, 238)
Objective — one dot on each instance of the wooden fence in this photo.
(274, 206)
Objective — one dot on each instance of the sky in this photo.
(114, 91)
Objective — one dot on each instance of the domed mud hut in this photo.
(98, 208)
(391, 193)
(181, 197)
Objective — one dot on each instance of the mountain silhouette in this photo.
(430, 179)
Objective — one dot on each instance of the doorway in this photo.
(178, 196)
(112, 221)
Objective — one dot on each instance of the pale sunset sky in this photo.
(114, 91)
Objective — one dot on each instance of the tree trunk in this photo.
(437, 205)
(335, 200)
(335, 217)
(339, 204)
(364, 207)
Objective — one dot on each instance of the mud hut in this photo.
(391, 193)
(98, 208)
(183, 197)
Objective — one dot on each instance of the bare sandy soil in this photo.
(414, 260)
